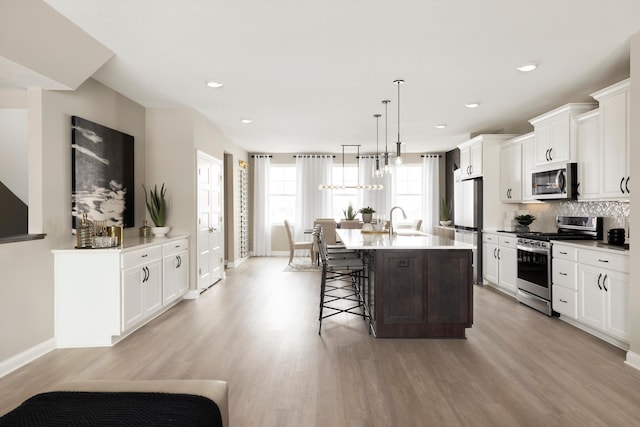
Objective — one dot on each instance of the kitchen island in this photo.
(419, 285)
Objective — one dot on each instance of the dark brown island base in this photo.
(419, 285)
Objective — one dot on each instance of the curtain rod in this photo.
(313, 156)
(431, 155)
(261, 156)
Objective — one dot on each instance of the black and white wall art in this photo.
(102, 174)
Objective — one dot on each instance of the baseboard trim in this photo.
(27, 356)
(192, 294)
(633, 360)
(236, 264)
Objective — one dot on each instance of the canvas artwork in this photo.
(102, 174)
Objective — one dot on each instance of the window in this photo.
(341, 198)
(408, 184)
(282, 188)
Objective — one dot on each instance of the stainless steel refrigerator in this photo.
(467, 217)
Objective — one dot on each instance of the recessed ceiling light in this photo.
(246, 121)
(527, 67)
(441, 126)
(214, 84)
(472, 105)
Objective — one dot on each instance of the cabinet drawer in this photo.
(130, 259)
(565, 252)
(490, 238)
(565, 301)
(174, 247)
(604, 260)
(508, 242)
(565, 273)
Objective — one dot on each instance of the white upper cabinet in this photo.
(471, 158)
(589, 155)
(511, 171)
(614, 140)
(528, 164)
(555, 134)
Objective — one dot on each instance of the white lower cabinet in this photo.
(500, 263)
(102, 295)
(175, 270)
(592, 287)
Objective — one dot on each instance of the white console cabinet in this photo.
(102, 295)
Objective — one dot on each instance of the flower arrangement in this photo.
(156, 204)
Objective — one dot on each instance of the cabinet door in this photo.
(511, 173)
(465, 162)
(152, 287)
(175, 276)
(615, 125)
(616, 301)
(589, 157)
(490, 262)
(475, 155)
(132, 296)
(543, 137)
(508, 268)
(591, 296)
(560, 140)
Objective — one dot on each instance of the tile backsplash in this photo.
(615, 214)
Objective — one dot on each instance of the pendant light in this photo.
(377, 172)
(398, 143)
(387, 168)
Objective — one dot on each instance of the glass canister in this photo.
(84, 233)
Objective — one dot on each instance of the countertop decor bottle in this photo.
(145, 230)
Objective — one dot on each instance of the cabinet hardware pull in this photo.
(626, 184)
(603, 285)
(498, 254)
(564, 301)
(562, 253)
(494, 252)
(621, 181)
(550, 150)
(546, 155)
(562, 274)
(144, 256)
(599, 276)
(603, 260)
(577, 187)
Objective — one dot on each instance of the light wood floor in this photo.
(257, 330)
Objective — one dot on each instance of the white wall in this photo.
(13, 151)
(26, 281)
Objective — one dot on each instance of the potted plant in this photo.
(157, 207)
(367, 214)
(524, 221)
(445, 212)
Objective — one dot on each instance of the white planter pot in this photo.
(160, 231)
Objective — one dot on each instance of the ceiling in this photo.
(311, 74)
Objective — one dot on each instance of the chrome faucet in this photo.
(391, 232)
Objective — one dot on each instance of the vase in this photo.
(160, 231)
(521, 228)
(445, 223)
(367, 217)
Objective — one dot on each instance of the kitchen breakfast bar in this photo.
(419, 285)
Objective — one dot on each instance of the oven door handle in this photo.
(533, 250)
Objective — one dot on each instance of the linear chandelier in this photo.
(343, 186)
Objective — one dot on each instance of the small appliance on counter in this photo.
(616, 236)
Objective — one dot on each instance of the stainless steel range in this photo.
(534, 258)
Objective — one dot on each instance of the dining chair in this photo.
(294, 246)
(328, 229)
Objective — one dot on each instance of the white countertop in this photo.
(405, 239)
(599, 245)
(131, 241)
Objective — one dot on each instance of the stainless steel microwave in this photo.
(557, 182)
